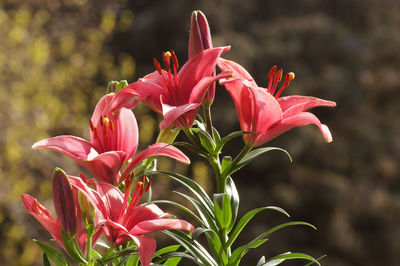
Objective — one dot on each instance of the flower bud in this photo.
(200, 40)
(64, 203)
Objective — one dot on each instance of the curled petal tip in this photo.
(327, 134)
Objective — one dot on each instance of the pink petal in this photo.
(292, 105)
(142, 213)
(199, 66)
(290, 122)
(147, 89)
(267, 109)
(112, 197)
(102, 213)
(76, 148)
(101, 108)
(106, 166)
(238, 71)
(185, 113)
(43, 216)
(126, 133)
(146, 248)
(157, 149)
(150, 226)
(201, 87)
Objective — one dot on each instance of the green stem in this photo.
(168, 135)
(207, 116)
(108, 253)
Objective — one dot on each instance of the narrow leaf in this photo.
(227, 138)
(253, 154)
(72, 247)
(246, 218)
(234, 197)
(291, 256)
(51, 253)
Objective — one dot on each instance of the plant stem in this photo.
(108, 253)
(207, 116)
(168, 135)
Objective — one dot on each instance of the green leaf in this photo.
(226, 212)
(289, 256)
(253, 154)
(218, 213)
(246, 218)
(193, 247)
(234, 198)
(195, 188)
(180, 206)
(51, 253)
(261, 261)
(238, 253)
(72, 248)
(198, 231)
(207, 218)
(206, 141)
(217, 137)
(224, 140)
(187, 146)
(133, 260)
(226, 164)
(46, 261)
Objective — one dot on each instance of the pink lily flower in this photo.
(263, 112)
(200, 40)
(175, 96)
(125, 220)
(113, 141)
(65, 198)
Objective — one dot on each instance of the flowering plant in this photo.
(101, 220)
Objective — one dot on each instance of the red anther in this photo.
(272, 71)
(157, 65)
(288, 78)
(91, 125)
(278, 76)
(112, 125)
(101, 120)
(167, 60)
(174, 59)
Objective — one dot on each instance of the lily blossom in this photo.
(175, 96)
(261, 110)
(125, 220)
(113, 141)
(200, 40)
(69, 219)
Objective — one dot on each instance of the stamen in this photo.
(277, 79)
(157, 65)
(148, 186)
(167, 60)
(288, 78)
(112, 125)
(270, 75)
(176, 66)
(91, 125)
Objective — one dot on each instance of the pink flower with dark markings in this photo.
(113, 141)
(125, 220)
(175, 96)
(261, 110)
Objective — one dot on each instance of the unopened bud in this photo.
(64, 202)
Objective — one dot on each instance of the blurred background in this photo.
(57, 56)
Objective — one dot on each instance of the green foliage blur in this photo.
(57, 56)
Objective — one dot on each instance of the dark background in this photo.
(56, 58)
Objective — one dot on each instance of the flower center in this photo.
(171, 82)
(275, 76)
